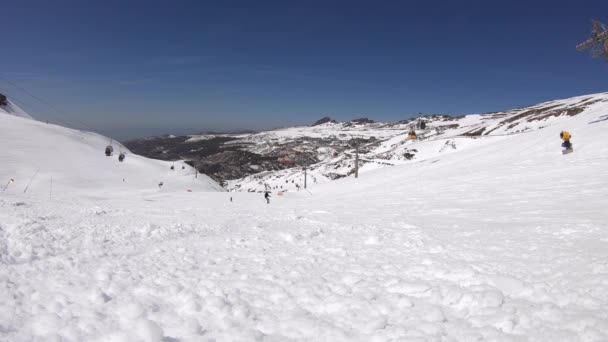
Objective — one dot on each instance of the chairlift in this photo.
(121, 157)
(109, 150)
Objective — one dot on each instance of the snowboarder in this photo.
(267, 197)
(567, 145)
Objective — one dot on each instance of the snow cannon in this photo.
(567, 145)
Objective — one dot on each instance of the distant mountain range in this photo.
(327, 149)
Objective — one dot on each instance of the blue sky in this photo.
(136, 68)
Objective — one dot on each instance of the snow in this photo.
(59, 161)
(504, 240)
(195, 138)
(12, 109)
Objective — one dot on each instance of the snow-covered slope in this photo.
(381, 145)
(59, 161)
(12, 109)
(504, 239)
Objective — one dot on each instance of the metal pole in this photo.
(304, 178)
(30, 182)
(356, 162)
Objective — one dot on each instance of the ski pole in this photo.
(30, 182)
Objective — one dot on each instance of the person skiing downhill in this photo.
(267, 197)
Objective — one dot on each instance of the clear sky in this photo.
(136, 68)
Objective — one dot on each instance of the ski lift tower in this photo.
(597, 44)
(355, 144)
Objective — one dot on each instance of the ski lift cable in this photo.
(44, 102)
(28, 109)
(49, 105)
(16, 86)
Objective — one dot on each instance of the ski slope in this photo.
(504, 240)
(386, 144)
(59, 161)
(12, 109)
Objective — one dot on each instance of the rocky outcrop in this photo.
(324, 120)
(362, 121)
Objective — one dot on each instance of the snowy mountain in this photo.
(380, 145)
(501, 238)
(53, 160)
(275, 159)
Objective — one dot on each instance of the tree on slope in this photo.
(597, 44)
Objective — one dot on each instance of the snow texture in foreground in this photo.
(505, 241)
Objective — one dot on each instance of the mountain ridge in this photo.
(261, 160)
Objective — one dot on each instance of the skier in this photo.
(267, 197)
(565, 136)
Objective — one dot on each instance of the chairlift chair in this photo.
(121, 157)
(109, 150)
